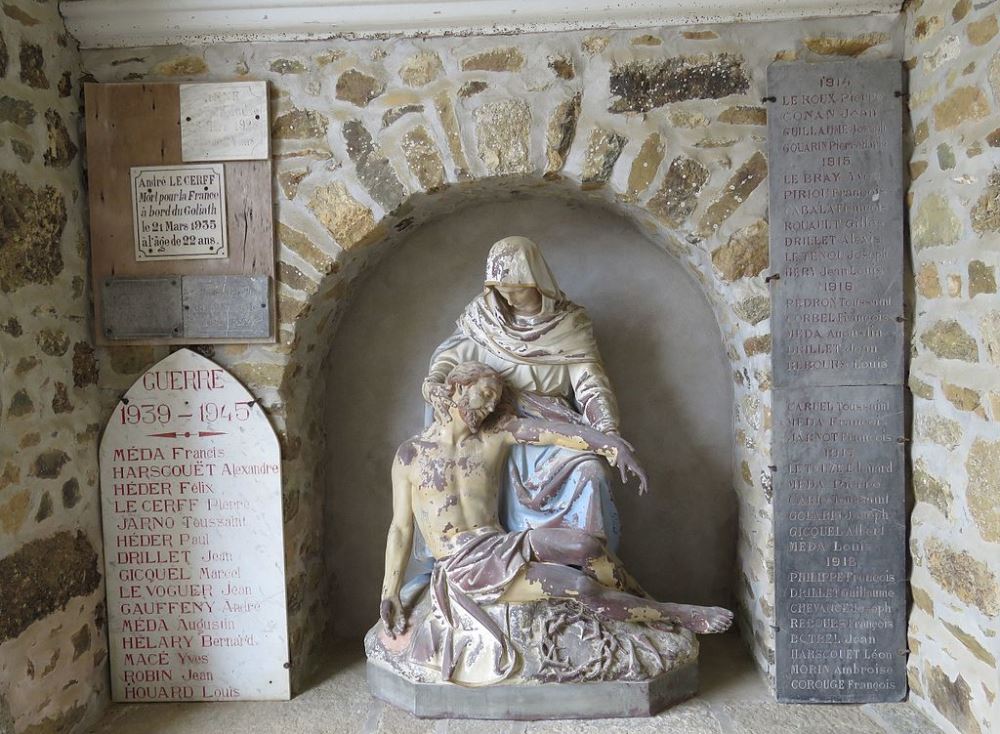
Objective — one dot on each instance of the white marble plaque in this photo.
(194, 557)
(179, 212)
(224, 122)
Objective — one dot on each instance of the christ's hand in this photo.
(392, 615)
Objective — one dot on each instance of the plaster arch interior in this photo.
(659, 338)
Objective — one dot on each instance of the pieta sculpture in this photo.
(507, 491)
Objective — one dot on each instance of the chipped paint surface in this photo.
(645, 614)
(447, 481)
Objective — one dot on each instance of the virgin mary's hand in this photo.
(627, 464)
(436, 395)
(430, 389)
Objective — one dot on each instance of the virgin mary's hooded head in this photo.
(560, 333)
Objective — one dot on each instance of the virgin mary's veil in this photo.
(519, 261)
(560, 333)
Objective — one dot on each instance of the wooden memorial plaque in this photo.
(194, 557)
(138, 127)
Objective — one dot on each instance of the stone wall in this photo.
(53, 670)
(371, 138)
(953, 51)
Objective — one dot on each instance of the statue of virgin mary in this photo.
(543, 345)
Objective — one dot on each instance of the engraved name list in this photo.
(191, 486)
(836, 211)
(836, 222)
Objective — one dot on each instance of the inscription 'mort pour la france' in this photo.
(836, 211)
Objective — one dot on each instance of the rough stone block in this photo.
(645, 166)
(299, 125)
(423, 159)
(358, 88)
(641, 86)
(961, 574)
(374, 169)
(844, 46)
(677, 196)
(503, 132)
(421, 69)
(350, 222)
(603, 151)
(560, 133)
(743, 183)
(42, 576)
(30, 238)
(499, 59)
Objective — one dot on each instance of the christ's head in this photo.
(475, 389)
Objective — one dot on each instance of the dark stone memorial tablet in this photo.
(836, 223)
(840, 542)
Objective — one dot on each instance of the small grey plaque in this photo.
(836, 222)
(135, 308)
(840, 544)
(226, 306)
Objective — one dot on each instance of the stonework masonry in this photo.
(373, 137)
(952, 50)
(53, 651)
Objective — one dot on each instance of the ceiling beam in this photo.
(136, 23)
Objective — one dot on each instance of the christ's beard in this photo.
(472, 417)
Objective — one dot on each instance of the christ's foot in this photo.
(705, 620)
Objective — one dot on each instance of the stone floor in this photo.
(733, 700)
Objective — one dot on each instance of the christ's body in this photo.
(447, 479)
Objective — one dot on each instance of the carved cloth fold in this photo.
(551, 486)
(474, 650)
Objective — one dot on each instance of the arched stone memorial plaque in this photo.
(194, 558)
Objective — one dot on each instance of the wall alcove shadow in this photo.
(663, 351)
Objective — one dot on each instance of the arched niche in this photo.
(662, 347)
